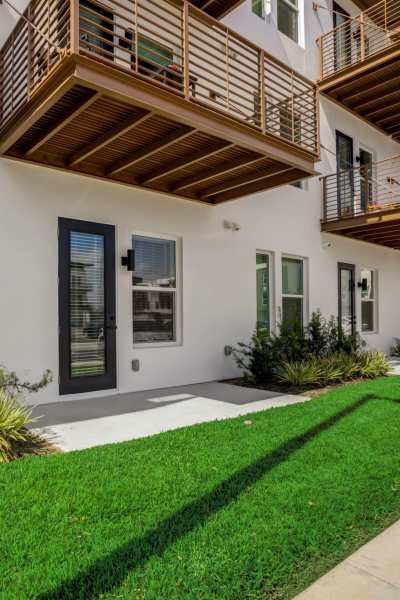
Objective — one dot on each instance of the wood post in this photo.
(74, 7)
(185, 50)
(261, 99)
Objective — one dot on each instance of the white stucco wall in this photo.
(218, 265)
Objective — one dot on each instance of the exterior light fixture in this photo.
(129, 260)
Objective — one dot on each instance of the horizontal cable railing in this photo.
(360, 37)
(362, 190)
(174, 45)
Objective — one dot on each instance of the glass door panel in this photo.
(347, 317)
(87, 328)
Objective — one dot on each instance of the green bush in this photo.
(395, 350)
(15, 439)
(334, 368)
(263, 356)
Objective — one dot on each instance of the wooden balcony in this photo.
(364, 203)
(360, 65)
(155, 94)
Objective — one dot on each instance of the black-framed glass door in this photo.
(347, 299)
(345, 174)
(87, 323)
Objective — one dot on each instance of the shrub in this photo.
(15, 439)
(395, 350)
(264, 355)
(334, 368)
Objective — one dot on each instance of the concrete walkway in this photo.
(372, 573)
(79, 424)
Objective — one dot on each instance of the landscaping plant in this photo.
(16, 440)
(334, 368)
(319, 355)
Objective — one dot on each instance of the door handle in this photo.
(114, 327)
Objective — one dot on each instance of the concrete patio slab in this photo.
(71, 411)
(161, 412)
(371, 573)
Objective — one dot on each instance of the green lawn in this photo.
(217, 511)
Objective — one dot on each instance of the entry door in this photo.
(347, 315)
(343, 37)
(87, 325)
(366, 161)
(345, 175)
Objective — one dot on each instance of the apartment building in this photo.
(175, 172)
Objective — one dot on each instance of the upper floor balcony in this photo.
(360, 65)
(156, 94)
(364, 203)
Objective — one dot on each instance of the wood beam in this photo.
(239, 181)
(62, 122)
(215, 171)
(150, 149)
(377, 113)
(179, 163)
(289, 176)
(373, 101)
(110, 136)
(375, 90)
(368, 220)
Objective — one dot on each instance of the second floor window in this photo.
(288, 18)
(257, 6)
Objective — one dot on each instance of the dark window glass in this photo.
(292, 312)
(288, 18)
(153, 316)
(154, 262)
(87, 315)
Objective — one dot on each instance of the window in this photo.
(263, 279)
(154, 295)
(368, 300)
(293, 306)
(288, 18)
(289, 123)
(257, 6)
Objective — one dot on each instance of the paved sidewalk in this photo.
(79, 424)
(372, 573)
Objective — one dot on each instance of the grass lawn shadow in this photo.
(110, 571)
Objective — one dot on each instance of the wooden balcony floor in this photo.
(379, 227)
(370, 89)
(89, 119)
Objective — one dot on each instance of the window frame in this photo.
(304, 295)
(373, 301)
(271, 287)
(177, 291)
(297, 9)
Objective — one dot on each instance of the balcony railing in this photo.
(169, 43)
(366, 190)
(360, 38)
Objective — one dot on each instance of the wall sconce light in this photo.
(129, 260)
(363, 284)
